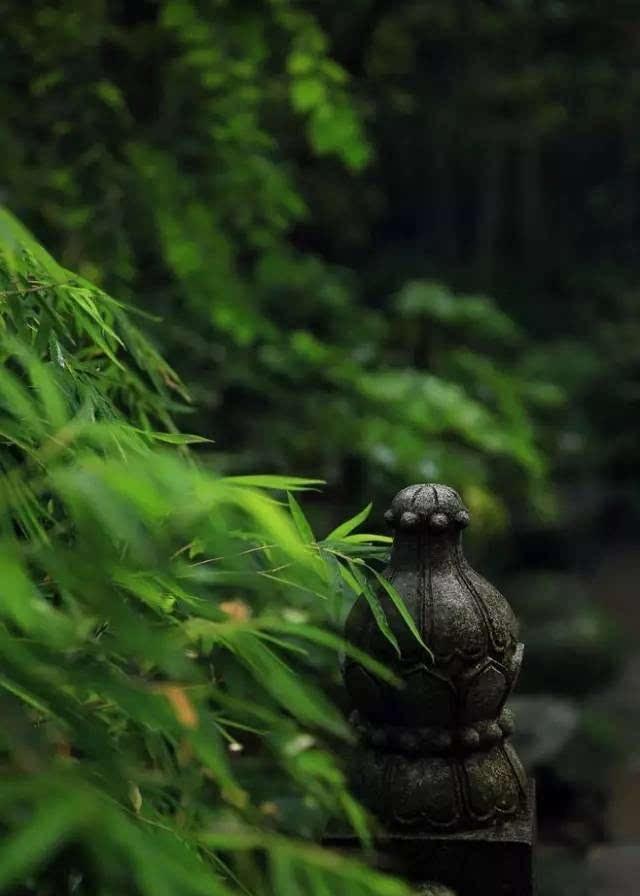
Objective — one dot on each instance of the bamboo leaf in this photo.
(175, 438)
(328, 639)
(280, 483)
(298, 697)
(363, 538)
(401, 607)
(349, 525)
(376, 607)
(302, 524)
(47, 829)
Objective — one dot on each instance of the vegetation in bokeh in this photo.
(168, 636)
(199, 168)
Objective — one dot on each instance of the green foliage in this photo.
(286, 184)
(189, 167)
(100, 359)
(166, 634)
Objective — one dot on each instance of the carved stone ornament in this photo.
(435, 755)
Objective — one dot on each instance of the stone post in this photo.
(434, 761)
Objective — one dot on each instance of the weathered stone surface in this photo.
(495, 860)
(436, 755)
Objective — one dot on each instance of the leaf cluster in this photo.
(166, 634)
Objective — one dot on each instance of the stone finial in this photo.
(435, 755)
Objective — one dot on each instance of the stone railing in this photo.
(434, 761)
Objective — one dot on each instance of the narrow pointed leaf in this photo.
(401, 607)
(376, 608)
(349, 525)
(302, 524)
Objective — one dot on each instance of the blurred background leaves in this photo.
(206, 162)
